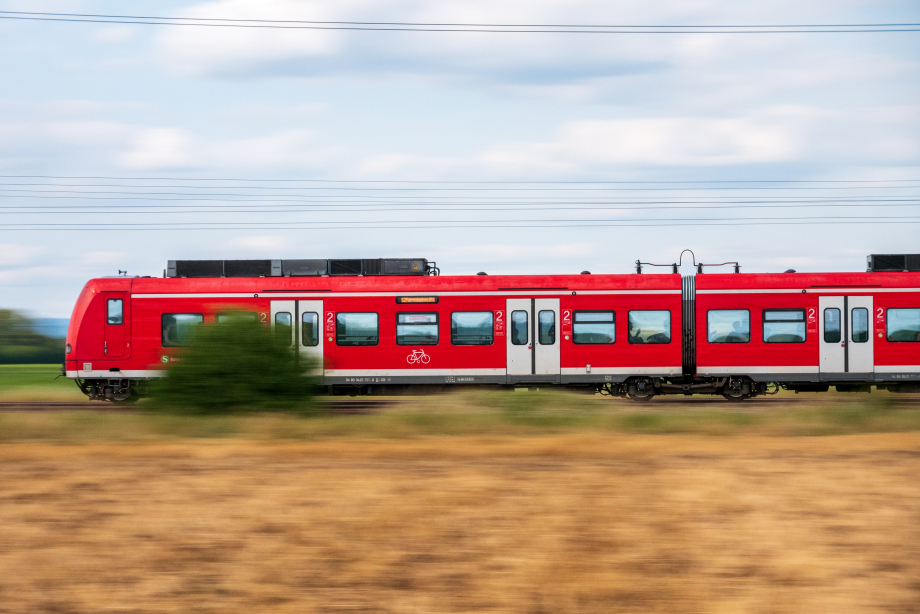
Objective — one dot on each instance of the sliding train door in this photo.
(533, 345)
(846, 337)
(298, 324)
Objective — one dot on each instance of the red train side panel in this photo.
(842, 335)
(555, 357)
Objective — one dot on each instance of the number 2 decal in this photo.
(811, 314)
(329, 318)
(263, 317)
(498, 317)
(880, 315)
(566, 315)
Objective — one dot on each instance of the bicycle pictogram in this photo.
(418, 357)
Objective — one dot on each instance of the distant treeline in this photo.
(20, 344)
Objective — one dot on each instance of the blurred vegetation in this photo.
(234, 366)
(20, 344)
(487, 414)
(36, 383)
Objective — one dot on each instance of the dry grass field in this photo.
(593, 521)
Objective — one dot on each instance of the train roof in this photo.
(805, 281)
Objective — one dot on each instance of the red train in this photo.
(387, 326)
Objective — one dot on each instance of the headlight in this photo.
(68, 349)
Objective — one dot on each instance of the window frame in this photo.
(749, 335)
(316, 331)
(437, 326)
(868, 331)
(492, 319)
(888, 323)
(614, 322)
(540, 327)
(840, 336)
(108, 319)
(511, 328)
(338, 339)
(276, 327)
(804, 320)
(670, 324)
(163, 328)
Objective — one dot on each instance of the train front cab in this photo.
(807, 332)
(98, 345)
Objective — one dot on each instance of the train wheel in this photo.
(642, 397)
(737, 389)
(640, 390)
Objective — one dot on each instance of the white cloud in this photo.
(260, 245)
(196, 50)
(15, 254)
(170, 148)
(655, 141)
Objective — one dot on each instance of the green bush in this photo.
(21, 345)
(235, 366)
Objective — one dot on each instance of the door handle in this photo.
(105, 347)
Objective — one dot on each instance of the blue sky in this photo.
(190, 103)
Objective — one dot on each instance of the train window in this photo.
(284, 327)
(309, 328)
(728, 326)
(860, 325)
(114, 311)
(519, 328)
(903, 324)
(356, 329)
(546, 320)
(471, 328)
(417, 329)
(784, 326)
(594, 327)
(831, 325)
(237, 316)
(176, 329)
(650, 326)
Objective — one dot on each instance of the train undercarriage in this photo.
(641, 388)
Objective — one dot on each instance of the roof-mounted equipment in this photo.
(893, 263)
(674, 266)
(301, 268)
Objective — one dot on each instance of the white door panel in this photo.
(547, 344)
(282, 311)
(519, 340)
(846, 334)
(310, 335)
(861, 355)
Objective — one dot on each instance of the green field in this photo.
(36, 383)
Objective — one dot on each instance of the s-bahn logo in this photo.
(418, 357)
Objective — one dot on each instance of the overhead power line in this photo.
(458, 182)
(554, 224)
(502, 28)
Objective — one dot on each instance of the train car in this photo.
(380, 326)
(384, 326)
(808, 331)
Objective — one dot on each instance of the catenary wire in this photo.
(489, 25)
(436, 226)
(689, 181)
(153, 21)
